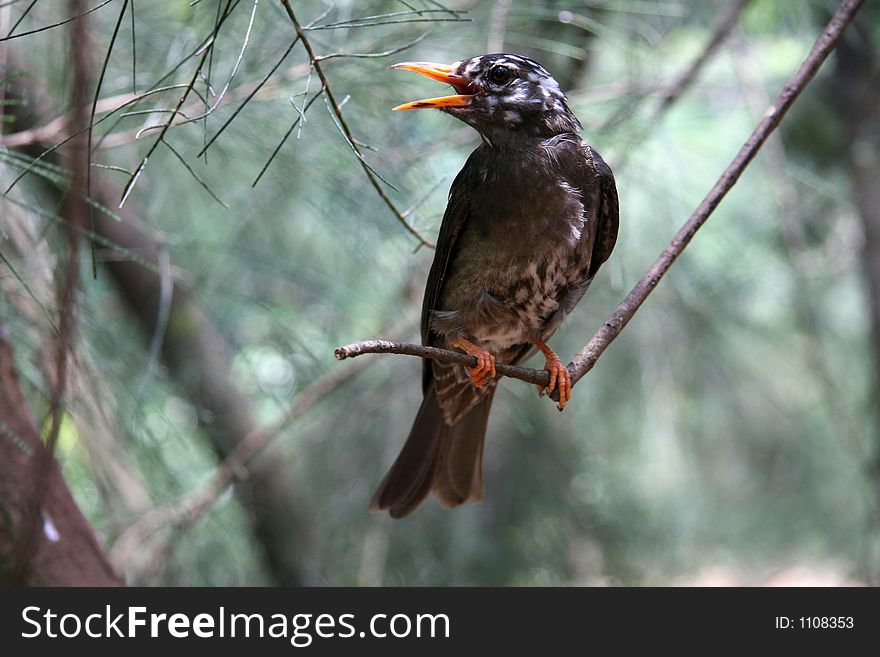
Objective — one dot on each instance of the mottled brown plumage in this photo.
(531, 217)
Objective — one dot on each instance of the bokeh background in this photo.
(728, 436)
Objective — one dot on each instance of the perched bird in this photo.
(530, 218)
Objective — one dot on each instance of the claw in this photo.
(560, 377)
(485, 369)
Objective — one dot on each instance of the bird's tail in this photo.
(439, 457)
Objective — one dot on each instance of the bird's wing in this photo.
(605, 212)
(457, 211)
(601, 218)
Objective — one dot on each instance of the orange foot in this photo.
(560, 377)
(485, 369)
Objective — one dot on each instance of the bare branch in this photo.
(538, 377)
(57, 126)
(296, 121)
(383, 19)
(669, 94)
(346, 131)
(722, 30)
(189, 88)
(248, 98)
(222, 94)
(88, 187)
(373, 55)
(58, 24)
(75, 209)
(21, 18)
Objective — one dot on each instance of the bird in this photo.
(530, 218)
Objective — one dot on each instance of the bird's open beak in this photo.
(441, 73)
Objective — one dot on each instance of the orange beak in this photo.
(441, 73)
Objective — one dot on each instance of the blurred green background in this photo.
(728, 436)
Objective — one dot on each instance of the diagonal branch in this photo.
(346, 131)
(75, 209)
(208, 49)
(91, 127)
(719, 34)
(76, 16)
(670, 93)
(584, 361)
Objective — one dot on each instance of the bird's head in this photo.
(499, 95)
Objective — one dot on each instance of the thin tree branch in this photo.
(222, 94)
(584, 361)
(373, 55)
(189, 88)
(164, 129)
(21, 18)
(669, 94)
(301, 118)
(382, 19)
(343, 125)
(58, 24)
(721, 31)
(538, 377)
(88, 187)
(59, 125)
(248, 98)
(76, 211)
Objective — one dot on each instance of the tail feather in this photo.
(436, 456)
(410, 477)
(459, 477)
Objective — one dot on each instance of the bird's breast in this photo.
(527, 296)
(519, 252)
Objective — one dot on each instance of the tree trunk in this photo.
(65, 551)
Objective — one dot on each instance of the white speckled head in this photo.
(499, 95)
(514, 93)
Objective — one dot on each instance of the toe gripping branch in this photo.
(560, 377)
(485, 369)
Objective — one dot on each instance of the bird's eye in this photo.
(499, 74)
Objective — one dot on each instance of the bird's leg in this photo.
(485, 369)
(560, 377)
